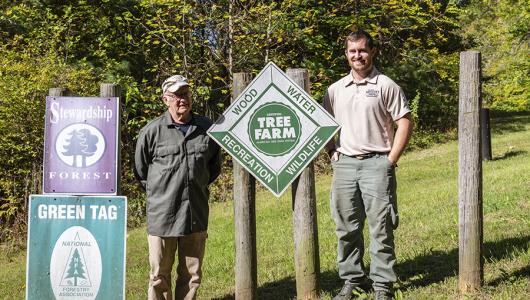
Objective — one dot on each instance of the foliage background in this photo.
(138, 43)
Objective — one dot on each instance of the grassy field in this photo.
(426, 241)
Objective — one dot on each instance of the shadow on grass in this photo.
(509, 122)
(435, 266)
(421, 271)
(286, 287)
(509, 154)
(226, 297)
(281, 289)
(508, 277)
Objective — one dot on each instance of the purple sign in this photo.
(80, 146)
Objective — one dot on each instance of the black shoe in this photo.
(348, 292)
(383, 295)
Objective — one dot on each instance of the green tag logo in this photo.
(274, 129)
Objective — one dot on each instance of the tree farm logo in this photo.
(80, 145)
(274, 129)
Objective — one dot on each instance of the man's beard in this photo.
(361, 67)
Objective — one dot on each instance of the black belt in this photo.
(367, 155)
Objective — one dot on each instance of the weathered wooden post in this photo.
(114, 90)
(109, 90)
(244, 217)
(54, 92)
(471, 272)
(485, 133)
(59, 91)
(306, 256)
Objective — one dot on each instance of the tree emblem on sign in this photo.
(75, 268)
(81, 143)
(70, 270)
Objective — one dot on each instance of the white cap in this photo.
(173, 83)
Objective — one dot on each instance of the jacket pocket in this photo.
(201, 148)
(167, 157)
(201, 156)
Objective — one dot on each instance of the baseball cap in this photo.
(173, 83)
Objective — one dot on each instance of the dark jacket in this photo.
(175, 170)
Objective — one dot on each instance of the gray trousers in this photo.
(365, 189)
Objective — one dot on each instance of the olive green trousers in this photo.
(365, 189)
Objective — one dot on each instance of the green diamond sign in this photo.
(274, 129)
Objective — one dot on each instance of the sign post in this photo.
(305, 231)
(246, 270)
(470, 214)
(76, 247)
(76, 244)
(274, 129)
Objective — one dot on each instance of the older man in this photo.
(366, 104)
(175, 162)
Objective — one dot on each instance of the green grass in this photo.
(426, 240)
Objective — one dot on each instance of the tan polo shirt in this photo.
(366, 111)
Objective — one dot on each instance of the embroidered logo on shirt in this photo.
(372, 93)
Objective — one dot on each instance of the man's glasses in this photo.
(177, 96)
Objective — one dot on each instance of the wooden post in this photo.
(109, 90)
(485, 133)
(244, 217)
(306, 257)
(471, 272)
(54, 92)
(59, 91)
(114, 90)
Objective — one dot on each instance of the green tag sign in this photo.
(76, 247)
(274, 129)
